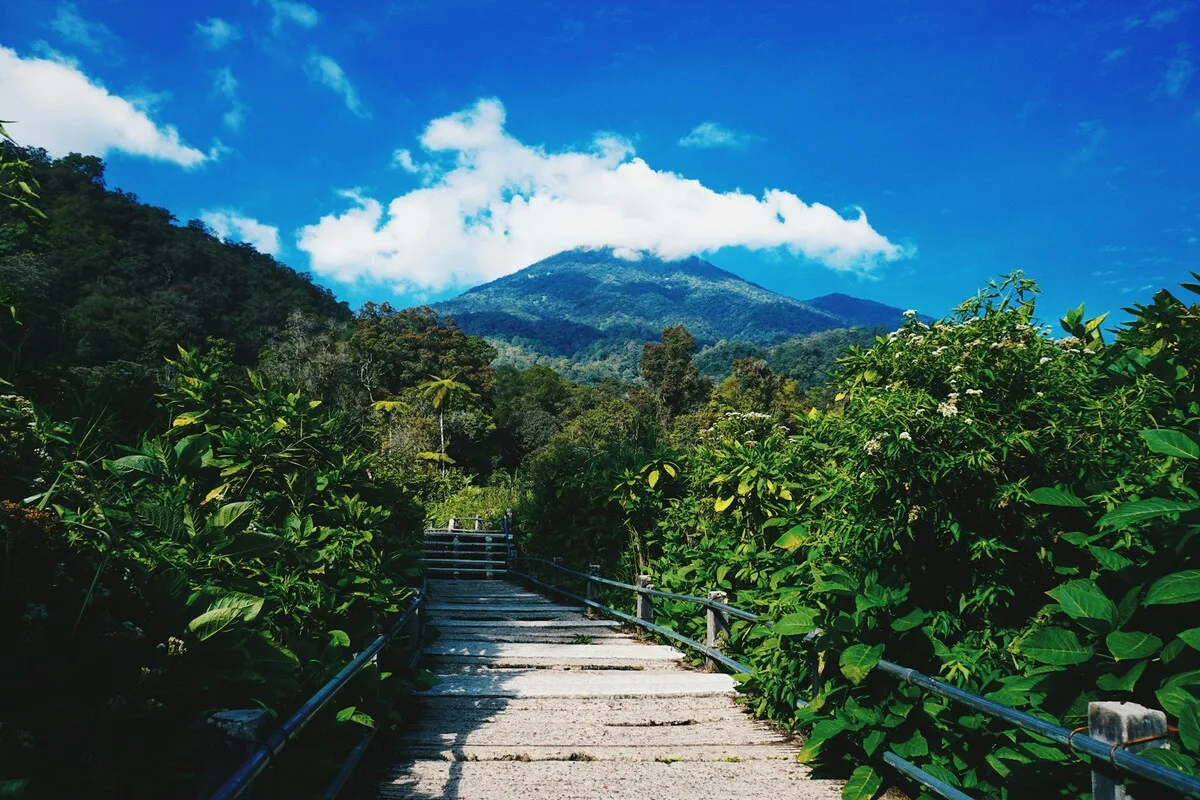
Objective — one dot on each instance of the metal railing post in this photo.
(718, 628)
(593, 590)
(1123, 724)
(555, 580)
(645, 602)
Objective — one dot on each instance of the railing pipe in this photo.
(679, 637)
(1133, 764)
(253, 766)
(922, 777)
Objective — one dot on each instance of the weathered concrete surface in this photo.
(526, 709)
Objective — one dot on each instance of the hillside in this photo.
(587, 313)
(106, 286)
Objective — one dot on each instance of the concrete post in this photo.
(1117, 723)
(645, 602)
(451, 524)
(718, 628)
(478, 524)
(593, 590)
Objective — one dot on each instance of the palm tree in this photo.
(444, 392)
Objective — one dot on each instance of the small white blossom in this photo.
(969, 421)
(947, 409)
(910, 313)
(975, 391)
(905, 436)
(1089, 351)
(1044, 359)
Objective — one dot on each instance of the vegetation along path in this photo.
(537, 700)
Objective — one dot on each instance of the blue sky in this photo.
(407, 150)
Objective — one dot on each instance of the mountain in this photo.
(588, 312)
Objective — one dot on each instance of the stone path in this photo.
(526, 709)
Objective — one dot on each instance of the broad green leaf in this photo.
(652, 478)
(339, 638)
(872, 741)
(218, 491)
(912, 619)
(857, 661)
(1136, 511)
(187, 418)
(916, 746)
(1178, 587)
(231, 513)
(792, 539)
(723, 503)
(1053, 496)
(212, 622)
(1171, 443)
(823, 731)
(362, 718)
(669, 468)
(798, 624)
(1191, 637)
(346, 713)
(864, 784)
(1057, 646)
(1122, 683)
(146, 465)
(247, 605)
(1109, 559)
(1083, 602)
(1127, 645)
(1177, 701)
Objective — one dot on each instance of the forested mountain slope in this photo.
(105, 279)
(587, 312)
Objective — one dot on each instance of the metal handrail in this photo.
(646, 590)
(253, 767)
(711, 652)
(1121, 759)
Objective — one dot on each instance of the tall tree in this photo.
(667, 367)
(442, 393)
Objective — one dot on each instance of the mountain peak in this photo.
(600, 306)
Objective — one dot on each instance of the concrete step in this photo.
(582, 683)
(573, 751)
(513, 654)
(583, 780)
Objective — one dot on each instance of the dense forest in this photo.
(214, 476)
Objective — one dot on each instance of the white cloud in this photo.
(1178, 75)
(226, 86)
(56, 106)
(217, 32)
(708, 135)
(327, 72)
(229, 224)
(496, 205)
(285, 11)
(71, 25)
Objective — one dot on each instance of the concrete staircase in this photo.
(535, 700)
(473, 552)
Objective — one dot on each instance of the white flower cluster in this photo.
(949, 406)
(875, 443)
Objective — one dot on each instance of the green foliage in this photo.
(1011, 513)
(225, 562)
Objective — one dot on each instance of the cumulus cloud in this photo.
(489, 205)
(290, 11)
(1178, 75)
(229, 224)
(708, 135)
(56, 106)
(327, 72)
(225, 86)
(70, 25)
(217, 32)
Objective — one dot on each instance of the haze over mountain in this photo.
(588, 312)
